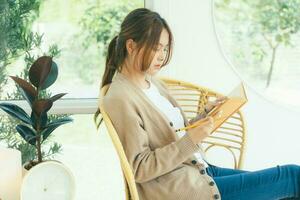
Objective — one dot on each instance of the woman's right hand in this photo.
(200, 132)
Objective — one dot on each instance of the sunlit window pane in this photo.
(92, 159)
(261, 40)
(77, 33)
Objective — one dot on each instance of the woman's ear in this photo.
(130, 46)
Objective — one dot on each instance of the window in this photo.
(261, 40)
(76, 33)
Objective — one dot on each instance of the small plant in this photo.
(36, 128)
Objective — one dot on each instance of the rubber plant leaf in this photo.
(40, 70)
(41, 121)
(58, 96)
(53, 125)
(27, 90)
(52, 76)
(41, 106)
(27, 133)
(16, 112)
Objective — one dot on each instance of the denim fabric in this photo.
(280, 182)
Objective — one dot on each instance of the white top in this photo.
(173, 113)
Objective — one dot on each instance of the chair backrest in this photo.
(192, 98)
(130, 187)
(230, 136)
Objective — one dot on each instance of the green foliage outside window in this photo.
(265, 25)
(102, 22)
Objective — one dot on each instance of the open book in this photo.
(236, 99)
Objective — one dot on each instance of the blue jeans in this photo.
(281, 182)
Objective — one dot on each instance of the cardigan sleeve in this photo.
(147, 164)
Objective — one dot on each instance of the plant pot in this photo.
(27, 166)
(47, 181)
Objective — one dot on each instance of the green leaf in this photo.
(16, 112)
(61, 121)
(40, 70)
(27, 133)
(42, 120)
(53, 125)
(52, 76)
(26, 89)
(278, 38)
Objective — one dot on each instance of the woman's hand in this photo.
(212, 104)
(198, 117)
(208, 107)
(204, 129)
(200, 132)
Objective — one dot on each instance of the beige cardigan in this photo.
(163, 164)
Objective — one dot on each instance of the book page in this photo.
(238, 91)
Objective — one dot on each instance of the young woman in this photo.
(170, 165)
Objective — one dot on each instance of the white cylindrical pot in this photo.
(48, 180)
(10, 174)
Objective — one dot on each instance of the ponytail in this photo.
(111, 62)
(111, 66)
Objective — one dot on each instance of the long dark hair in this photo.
(144, 27)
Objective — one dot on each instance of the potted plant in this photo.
(36, 128)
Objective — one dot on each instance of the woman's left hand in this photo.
(212, 104)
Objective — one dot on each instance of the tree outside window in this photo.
(262, 41)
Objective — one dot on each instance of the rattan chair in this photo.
(230, 136)
(192, 98)
(129, 182)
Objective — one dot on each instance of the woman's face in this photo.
(161, 52)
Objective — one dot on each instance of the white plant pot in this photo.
(48, 180)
